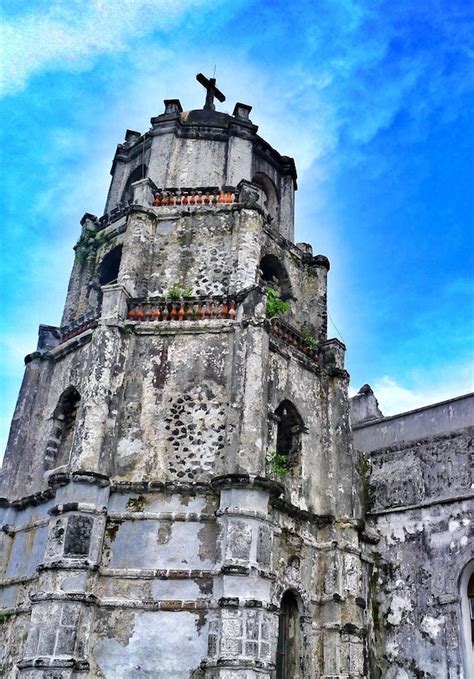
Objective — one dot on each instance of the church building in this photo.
(181, 496)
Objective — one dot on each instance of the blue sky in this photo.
(373, 98)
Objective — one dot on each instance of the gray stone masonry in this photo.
(419, 501)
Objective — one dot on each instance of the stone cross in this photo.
(212, 91)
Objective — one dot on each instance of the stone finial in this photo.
(172, 107)
(132, 135)
(242, 111)
(364, 406)
(306, 248)
(49, 337)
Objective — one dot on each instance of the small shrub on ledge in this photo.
(309, 340)
(177, 292)
(277, 462)
(275, 306)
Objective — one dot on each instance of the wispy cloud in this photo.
(397, 396)
(68, 34)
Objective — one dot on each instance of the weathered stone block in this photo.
(78, 535)
(239, 537)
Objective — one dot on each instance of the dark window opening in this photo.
(470, 597)
(110, 265)
(138, 173)
(273, 274)
(287, 656)
(62, 432)
(290, 427)
(271, 200)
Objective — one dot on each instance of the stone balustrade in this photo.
(295, 339)
(79, 325)
(198, 197)
(182, 310)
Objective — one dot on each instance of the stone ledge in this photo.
(279, 346)
(302, 514)
(246, 481)
(47, 662)
(82, 597)
(422, 505)
(160, 486)
(17, 580)
(68, 564)
(239, 663)
(161, 516)
(23, 528)
(16, 610)
(156, 573)
(250, 513)
(83, 507)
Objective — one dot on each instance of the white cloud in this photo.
(395, 396)
(67, 34)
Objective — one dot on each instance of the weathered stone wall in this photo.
(33, 423)
(420, 504)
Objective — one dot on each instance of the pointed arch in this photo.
(110, 265)
(289, 429)
(135, 175)
(272, 199)
(62, 430)
(274, 275)
(288, 642)
(466, 587)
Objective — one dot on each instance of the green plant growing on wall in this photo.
(88, 243)
(275, 306)
(177, 292)
(277, 462)
(309, 340)
(82, 248)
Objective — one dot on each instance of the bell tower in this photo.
(180, 493)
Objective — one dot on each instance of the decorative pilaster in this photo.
(61, 613)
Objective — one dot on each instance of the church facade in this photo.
(181, 496)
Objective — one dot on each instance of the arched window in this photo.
(289, 430)
(288, 652)
(62, 431)
(273, 274)
(135, 175)
(110, 265)
(271, 201)
(467, 610)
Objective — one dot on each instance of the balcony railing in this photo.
(112, 216)
(198, 197)
(295, 339)
(79, 325)
(182, 310)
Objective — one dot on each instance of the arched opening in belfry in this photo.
(271, 202)
(288, 644)
(273, 274)
(467, 612)
(110, 265)
(62, 431)
(135, 175)
(289, 430)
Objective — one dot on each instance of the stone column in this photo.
(61, 615)
(244, 623)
